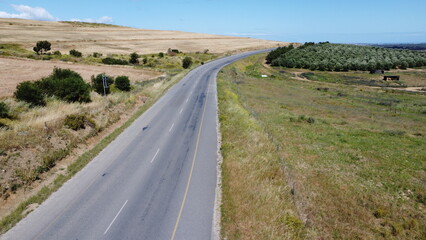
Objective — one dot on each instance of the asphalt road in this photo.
(157, 180)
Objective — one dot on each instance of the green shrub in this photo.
(75, 53)
(134, 58)
(73, 90)
(57, 53)
(97, 84)
(60, 73)
(122, 83)
(49, 160)
(114, 61)
(4, 110)
(187, 62)
(310, 120)
(97, 55)
(66, 85)
(78, 121)
(145, 60)
(42, 46)
(277, 53)
(161, 55)
(30, 93)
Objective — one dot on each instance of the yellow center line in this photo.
(192, 168)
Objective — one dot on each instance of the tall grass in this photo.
(256, 201)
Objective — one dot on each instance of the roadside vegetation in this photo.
(39, 137)
(256, 200)
(40, 125)
(339, 57)
(318, 159)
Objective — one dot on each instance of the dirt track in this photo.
(14, 71)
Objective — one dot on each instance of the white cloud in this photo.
(104, 19)
(27, 12)
(38, 13)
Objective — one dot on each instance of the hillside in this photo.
(110, 39)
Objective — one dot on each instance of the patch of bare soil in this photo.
(109, 39)
(14, 71)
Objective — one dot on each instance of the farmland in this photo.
(341, 57)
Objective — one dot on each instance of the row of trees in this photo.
(340, 57)
(66, 85)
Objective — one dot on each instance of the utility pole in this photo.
(105, 83)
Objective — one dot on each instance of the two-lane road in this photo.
(157, 180)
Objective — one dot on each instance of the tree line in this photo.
(341, 57)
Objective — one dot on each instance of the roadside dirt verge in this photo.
(11, 203)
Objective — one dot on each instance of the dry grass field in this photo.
(109, 39)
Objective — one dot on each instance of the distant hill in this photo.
(408, 46)
(112, 39)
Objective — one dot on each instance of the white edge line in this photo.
(171, 127)
(187, 99)
(115, 217)
(181, 110)
(158, 150)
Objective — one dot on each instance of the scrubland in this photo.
(321, 156)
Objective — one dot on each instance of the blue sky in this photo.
(342, 21)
